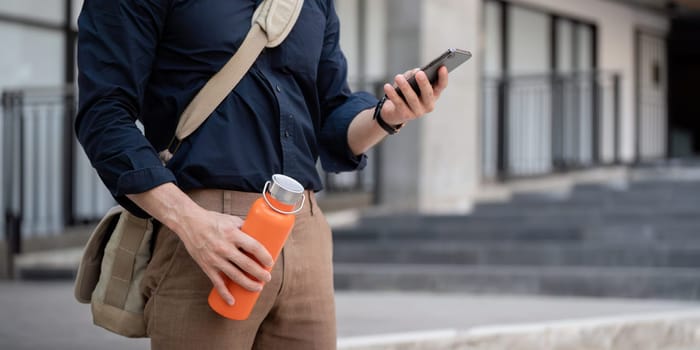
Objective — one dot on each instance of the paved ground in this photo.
(45, 316)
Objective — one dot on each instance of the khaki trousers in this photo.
(296, 310)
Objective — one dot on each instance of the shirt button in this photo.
(286, 133)
(291, 116)
(279, 89)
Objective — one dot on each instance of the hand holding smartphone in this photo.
(451, 59)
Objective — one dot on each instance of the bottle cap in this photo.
(286, 190)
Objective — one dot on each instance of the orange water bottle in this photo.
(269, 221)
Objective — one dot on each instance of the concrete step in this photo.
(555, 219)
(665, 185)
(520, 253)
(587, 210)
(630, 194)
(475, 222)
(457, 233)
(628, 282)
(4, 269)
(659, 199)
(59, 264)
(614, 197)
(562, 230)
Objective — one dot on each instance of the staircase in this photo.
(641, 240)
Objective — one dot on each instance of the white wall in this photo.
(33, 57)
(348, 14)
(492, 42)
(376, 40)
(45, 10)
(375, 45)
(77, 5)
(616, 29)
(528, 40)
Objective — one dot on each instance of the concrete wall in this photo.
(400, 154)
(449, 155)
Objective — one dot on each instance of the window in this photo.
(542, 93)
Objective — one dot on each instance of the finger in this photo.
(396, 100)
(220, 286)
(412, 99)
(393, 96)
(395, 107)
(239, 277)
(441, 84)
(249, 265)
(253, 247)
(426, 91)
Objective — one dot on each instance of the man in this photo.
(146, 59)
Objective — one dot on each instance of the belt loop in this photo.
(310, 196)
(227, 202)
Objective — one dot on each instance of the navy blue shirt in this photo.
(146, 59)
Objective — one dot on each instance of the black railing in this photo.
(47, 182)
(540, 124)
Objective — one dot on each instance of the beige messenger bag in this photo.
(119, 248)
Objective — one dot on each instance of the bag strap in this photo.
(271, 23)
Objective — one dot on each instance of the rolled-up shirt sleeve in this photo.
(339, 106)
(117, 41)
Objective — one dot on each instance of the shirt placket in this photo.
(287, 128)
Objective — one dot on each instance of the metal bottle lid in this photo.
(286, 190)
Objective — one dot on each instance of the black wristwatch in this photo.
(390, 129)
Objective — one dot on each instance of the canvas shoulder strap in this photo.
(271, 23)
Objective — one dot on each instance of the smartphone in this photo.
(451, 59)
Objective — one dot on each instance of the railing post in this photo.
(502, 164)
(6, 168)
(68, 157)
(595, 119)
(616, 118)
(14, 149)
(557, 122)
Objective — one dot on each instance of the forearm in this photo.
(169, 205)
(364, 132)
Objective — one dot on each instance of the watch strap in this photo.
(391, 130)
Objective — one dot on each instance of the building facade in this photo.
(554, 86)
